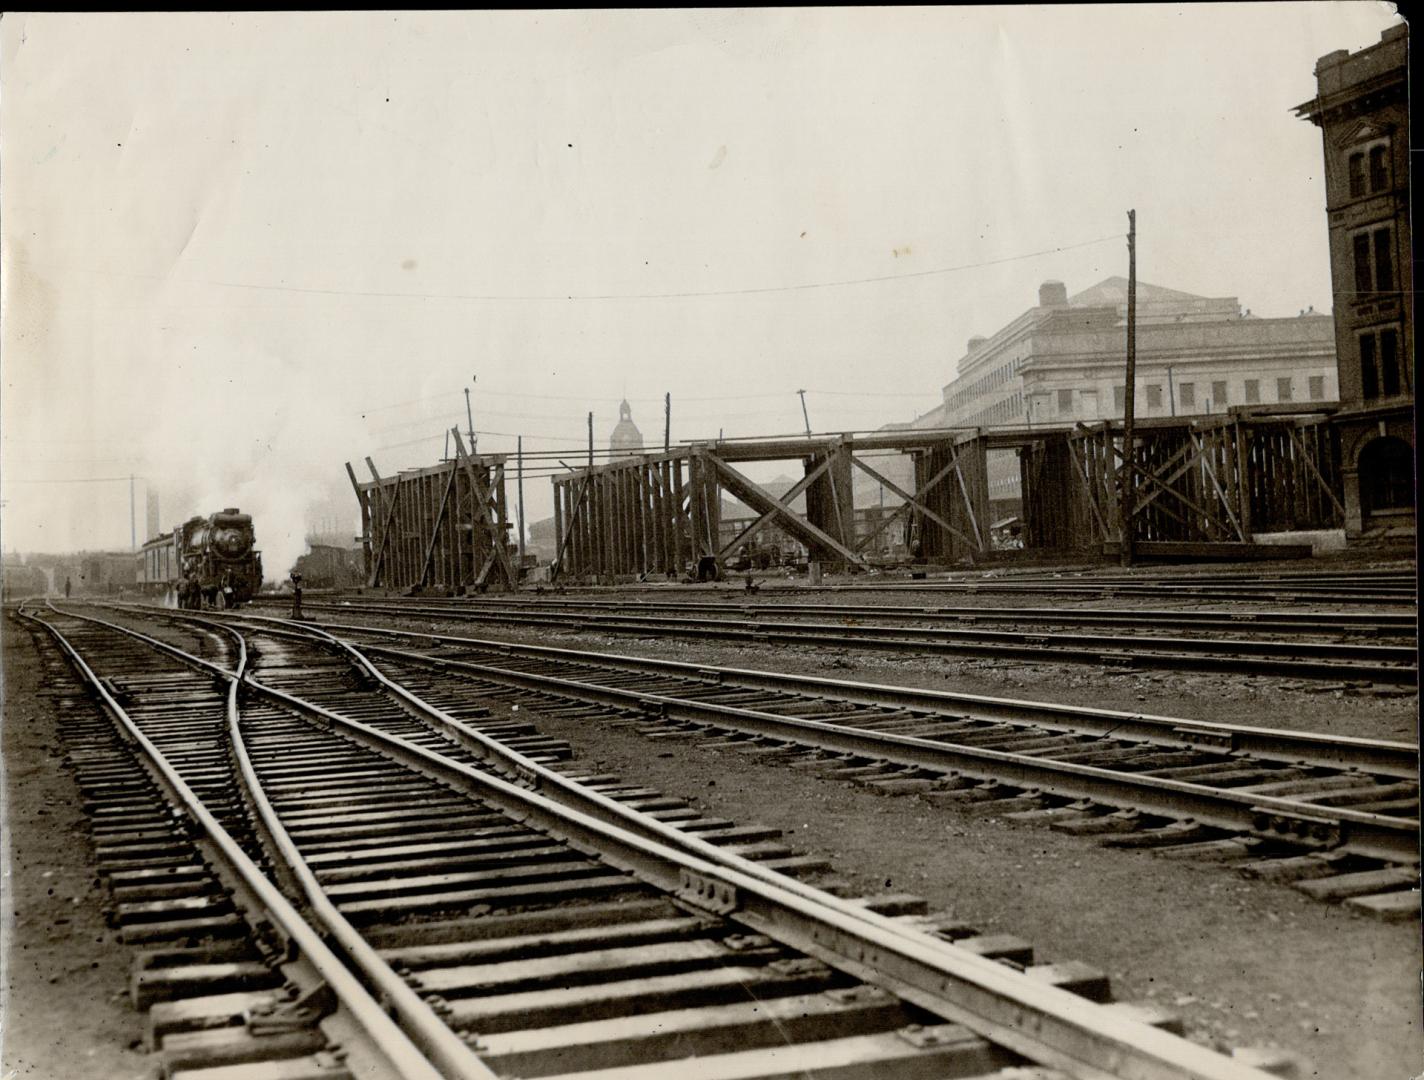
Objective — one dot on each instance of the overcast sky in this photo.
(242, 250)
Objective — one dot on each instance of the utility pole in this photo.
(1129, 392)
(519, 473)
(590, 442)
(470, 416)
(804, 415)
(1171, 394)
(667, 421)
(133, 525)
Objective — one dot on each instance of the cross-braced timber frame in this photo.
(1214, 479)
(661, 513)
(442, 527)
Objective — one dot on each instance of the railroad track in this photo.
(1333, 624)
(517, 916)
(763, 624)
(1388, 588)
(1343, 803)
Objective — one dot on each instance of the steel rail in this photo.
(1329, 751)
(1372, 835)
(386, 1042)
(1288, 622)
(1043, 1023)
(1381, 663)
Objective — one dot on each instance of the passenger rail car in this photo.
(207, 561)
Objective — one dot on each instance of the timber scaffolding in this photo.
(1207, 482)
(445, 526)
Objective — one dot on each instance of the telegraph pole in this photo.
(133, 526)
(804, 415)
(667, 421)
(519, 473)
(1129, 392)
(590, 442)
(470, 416)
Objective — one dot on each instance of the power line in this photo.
(584, 297)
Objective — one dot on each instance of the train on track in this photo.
(205, 562)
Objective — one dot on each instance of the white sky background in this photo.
(239, 251)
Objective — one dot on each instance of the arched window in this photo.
(1386, 475)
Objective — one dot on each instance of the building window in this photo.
(1120, 398)
(1218, 395)
(1379, 168)
(1374, 260)
(1283, 389)
(1317, 388)
(1154, 396)
(1357, 175)
(1065, 402)
(1379, 363)
(1187, 392)
(1253, 391)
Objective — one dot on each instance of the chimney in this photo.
(974, 343)
(1052, 294)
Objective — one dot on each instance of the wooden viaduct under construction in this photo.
(1201, 485)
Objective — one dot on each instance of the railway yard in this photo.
(1087, 823)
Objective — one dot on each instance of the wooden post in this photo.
(519, 465)
(1129, 392)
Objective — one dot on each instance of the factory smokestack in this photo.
(151, 515)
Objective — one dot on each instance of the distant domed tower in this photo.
(627, 440)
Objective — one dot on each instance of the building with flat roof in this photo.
(1062, 362)
(1362, 109)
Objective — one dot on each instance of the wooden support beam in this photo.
(435, 529)
(361, 497)
(489, 517)
(384, 541)
(785, 501)
(758, 498)
(915, 500)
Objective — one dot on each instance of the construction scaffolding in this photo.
(1214, 479)
(661, 513)
(1205, 485)
(442, 527)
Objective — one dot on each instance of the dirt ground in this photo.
(66, 1011)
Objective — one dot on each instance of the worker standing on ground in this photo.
(66, 588)
(296, 595)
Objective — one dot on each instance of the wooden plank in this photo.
(488, 516)
(758, 498)
(386, 530)
(915, 500)
(785, 500)
(435, 529)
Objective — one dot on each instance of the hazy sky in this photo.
(241, 250)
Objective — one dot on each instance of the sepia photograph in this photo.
(799, 543)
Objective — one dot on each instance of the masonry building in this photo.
(1362, 109)
(1062, 362)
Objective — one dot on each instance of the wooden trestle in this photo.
(1213, 479)
(661, 513)
(445, 526)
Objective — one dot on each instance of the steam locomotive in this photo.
(205, 562)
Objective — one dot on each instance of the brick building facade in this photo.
(1362, 109)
